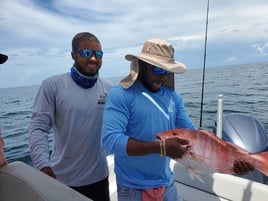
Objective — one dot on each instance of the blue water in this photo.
(244, 89)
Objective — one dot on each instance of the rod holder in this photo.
(219, 116)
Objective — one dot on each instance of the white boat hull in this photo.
(218, 187)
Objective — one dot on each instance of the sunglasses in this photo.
(160, 71)
(89, 53)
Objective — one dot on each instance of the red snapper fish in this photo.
(207, 153)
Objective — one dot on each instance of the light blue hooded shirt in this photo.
(141, 114)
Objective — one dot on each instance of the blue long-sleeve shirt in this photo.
(141, 114)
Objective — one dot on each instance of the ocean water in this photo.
(244, 89)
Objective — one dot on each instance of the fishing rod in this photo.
(204, 69)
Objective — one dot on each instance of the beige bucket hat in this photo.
(156, 52)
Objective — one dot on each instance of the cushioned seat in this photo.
(21, 182)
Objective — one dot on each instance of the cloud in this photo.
(231, 59)
(37, 34)
(262, 49)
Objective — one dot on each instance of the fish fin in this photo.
(196, 157)
(262, 162)
(194, 174)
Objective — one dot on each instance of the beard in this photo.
(86, 71)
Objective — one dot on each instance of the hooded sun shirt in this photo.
(138, 113)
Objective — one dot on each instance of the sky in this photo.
(37, 34)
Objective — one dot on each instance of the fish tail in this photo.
(262, 162)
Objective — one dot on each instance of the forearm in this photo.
(38, 138)
(39, 148)
(139, 148)
(172, 147)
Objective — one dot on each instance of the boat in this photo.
(22, 182)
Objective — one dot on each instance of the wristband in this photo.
(163, 151)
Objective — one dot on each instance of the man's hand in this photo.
(242, 167)
(49, 172)
(176, 147)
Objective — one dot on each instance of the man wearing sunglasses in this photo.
(71, 107)
(142, 105)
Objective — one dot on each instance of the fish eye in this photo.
(174, 133)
